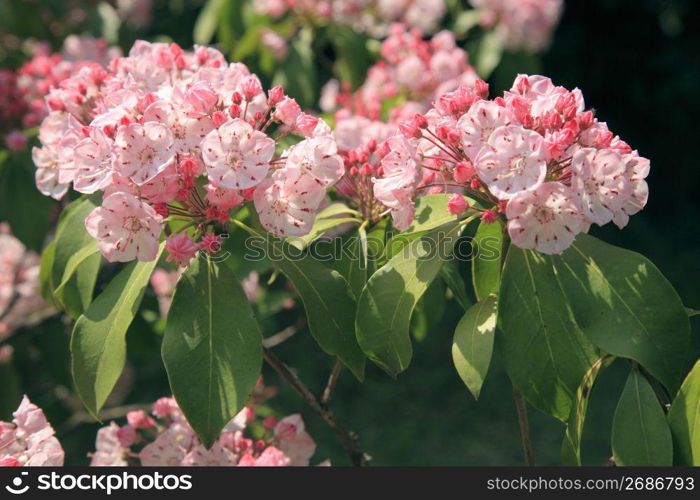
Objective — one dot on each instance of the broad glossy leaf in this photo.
(328, 302)
(486, 259)
(385, 306)
(354, 264)
(543, 349)
(431, 212)
(76, 260)
(472, 345)
(640, 434)
(692, 312)
(571, 445)
(456, 283)
(626, 306)
(212, 347)
(684, 420)
(98, 343)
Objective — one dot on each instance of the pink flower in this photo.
(210, 243)
(236, 156)
(94, 160)
(546, 219)
(513, 161)
(223, 198)
(477, 125)
(317, 157)
(294, 441)
(270, 457)
(125, 228)
(16, 140)
(636, 170)
(457, 205)
(143, 151)
(29, 440)
(396, 188)
(287, 111)
(180, 248)
(287, 201)
(187, 130)
(165, 407)
(599, 180)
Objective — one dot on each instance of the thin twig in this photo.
(524, 427)
(332, 380)
(348, 440)
(279, 337)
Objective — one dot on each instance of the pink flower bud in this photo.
(457, 205)
(489, 216)
(463, 171)
(16, 140)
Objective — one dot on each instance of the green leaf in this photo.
(387, 301)
(212, 347)
(76, 261)
(488, 53)
(98, 343)
(486, 259)
(354, 263)
(320, 227)
(353, 58)
(684, 420)
(472, 345)
(431, 212)
(465, 21)
(692, 312)
(543, 349)
(26, 210)
(207, 22)
(328, 302)
(46, 285)
(626, 306)
(640, 433)
(450, 274)
(571, 445)
(297, 73)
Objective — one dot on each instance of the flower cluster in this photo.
(412, 73)
(370, 16)
(167, 134)
(535, 156)
(20, 301)
(521, 24)
(164, 438)
(29, 439)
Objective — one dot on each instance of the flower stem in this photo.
(524, 427)
(349, 440)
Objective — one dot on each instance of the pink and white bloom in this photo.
(29, 439)
(94, 162)
(598, 178)
(477, 125)
(317, 157)
(546, 218)
(294, 441)
(236, 156)
(396, 187)
(287, 201)
(125, 228)
(109, 451)
(143, 151)
(514, 160)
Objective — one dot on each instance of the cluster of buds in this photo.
(165, 438)
(23, 93)
(166, 134)
(370, 16)
(534, 156)
(29, 439)
(521, 24)
(412, 73)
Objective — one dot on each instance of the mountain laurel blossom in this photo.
(534, 156)
(166, 134)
